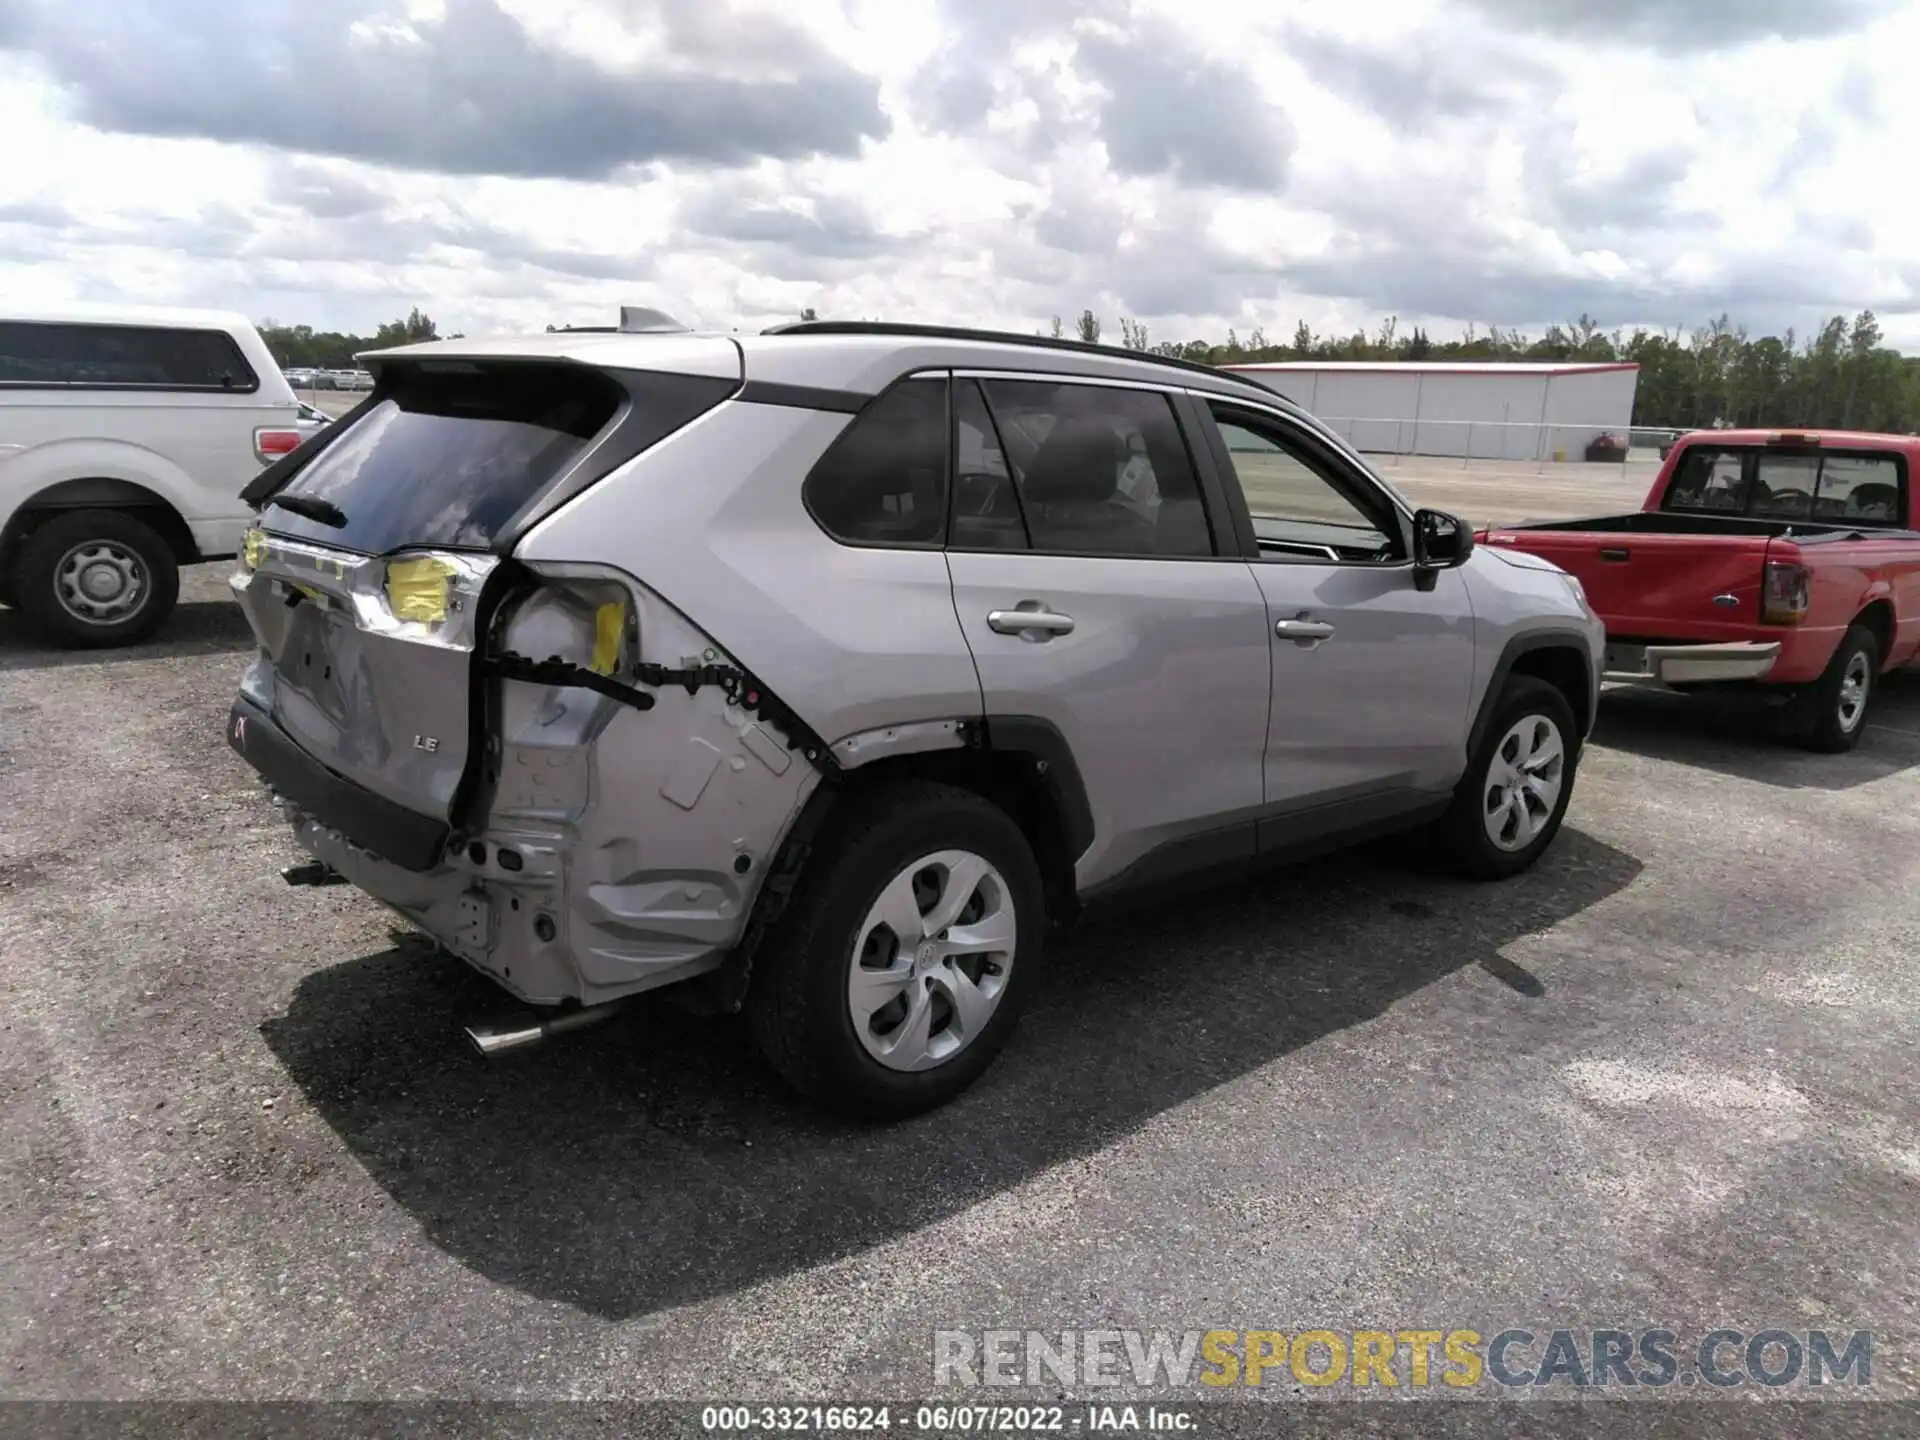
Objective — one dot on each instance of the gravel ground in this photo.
(1667, 1078)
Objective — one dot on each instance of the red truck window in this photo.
(1708, 480)
(1833, 487)
(1783, 486)
(1859, 487)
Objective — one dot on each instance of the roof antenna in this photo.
(644, 320)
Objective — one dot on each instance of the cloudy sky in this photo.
(1193, 163)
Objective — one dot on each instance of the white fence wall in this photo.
(1486, 414)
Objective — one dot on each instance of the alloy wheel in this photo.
(931, 960)
(1523, 782)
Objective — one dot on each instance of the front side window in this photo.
(1300, 510)
(1099, 470)
(884, 480)
(121, 357)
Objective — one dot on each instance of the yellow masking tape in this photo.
(609, 623)
(417, 589)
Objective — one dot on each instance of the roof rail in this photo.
(1010, 337)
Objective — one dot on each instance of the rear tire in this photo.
(1509, 804)
(1838, 701)
(94, 579)
(824, 1004)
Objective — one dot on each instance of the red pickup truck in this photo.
(1783, 560)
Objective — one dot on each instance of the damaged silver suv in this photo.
(825, 673)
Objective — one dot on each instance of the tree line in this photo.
(1842, 376)
(301, 347)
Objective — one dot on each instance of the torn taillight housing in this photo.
(1786, 590)
(576, 614)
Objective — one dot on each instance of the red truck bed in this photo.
(1758, 558)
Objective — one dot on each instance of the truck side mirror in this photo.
(1440, 542)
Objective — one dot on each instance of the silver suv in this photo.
(823, 673)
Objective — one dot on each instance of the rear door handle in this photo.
(1303, 631)
(1618, 554)
(1024, 622)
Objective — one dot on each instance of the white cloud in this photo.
(506, 163)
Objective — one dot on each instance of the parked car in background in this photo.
(820, 673)
(1783, 561)
(126, 436)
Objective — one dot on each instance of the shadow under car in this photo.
(654, 1160)
(1752, 737)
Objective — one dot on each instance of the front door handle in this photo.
(1037, 623)
(1303, 631)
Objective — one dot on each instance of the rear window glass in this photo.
(122, 357)
(446, 460)
(1776, 484)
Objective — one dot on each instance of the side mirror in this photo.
(1440, 542)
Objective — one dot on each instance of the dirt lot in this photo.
(1669, 1077)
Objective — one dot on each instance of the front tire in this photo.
(1509, 804)
(1838, 700)
(94, 579)
(900, 969)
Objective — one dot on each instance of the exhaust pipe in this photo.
(497, 1037)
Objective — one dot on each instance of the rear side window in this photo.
(447, 459)
(986, 510)
(122, 357)
(1099, 471)
(884, 480)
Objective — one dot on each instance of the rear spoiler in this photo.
(269, 481)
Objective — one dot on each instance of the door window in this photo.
(884, 481)
(986, 509)
(1302, 507)
(1096, 470)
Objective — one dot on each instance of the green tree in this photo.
(1088, 328)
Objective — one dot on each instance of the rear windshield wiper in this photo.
(313, 508)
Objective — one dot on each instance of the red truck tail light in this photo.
(270, 445)
(1784, 591)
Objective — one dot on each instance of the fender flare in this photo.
(1526, 643)
(1059, 772)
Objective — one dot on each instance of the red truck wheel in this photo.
(1838, 700)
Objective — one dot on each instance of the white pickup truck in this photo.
(126, 436)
